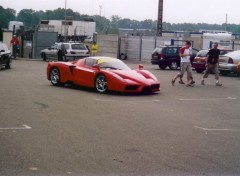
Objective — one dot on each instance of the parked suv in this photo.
(168, 56)
(5, 56)
(74, 51)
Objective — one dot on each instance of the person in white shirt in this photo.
(185, 53)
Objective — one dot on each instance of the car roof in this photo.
(102, 57)
(169, 46)
(233, 53)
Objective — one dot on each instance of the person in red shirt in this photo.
(15, 44)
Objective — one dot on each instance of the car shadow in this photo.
(115, 93)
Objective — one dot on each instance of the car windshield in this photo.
(112, 64)
(78, 47)
(3, 47)
(202, 53)
(157, 50)
(233, 54)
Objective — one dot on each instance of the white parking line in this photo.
(206, 99)
(215, 129)
(133, 101)
(24, 127)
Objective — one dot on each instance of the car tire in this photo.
(224, 73)
(123, 56)
(101, 83)
(9, 64)
(163, 67)
(55, 77)
(173, 65)
(199, 70)
(0, 65)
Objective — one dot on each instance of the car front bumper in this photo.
(228, 67)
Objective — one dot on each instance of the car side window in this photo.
(194, 51)
(90, 62)
(66, 46)
(172, 50)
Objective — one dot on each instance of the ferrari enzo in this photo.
(103, 74)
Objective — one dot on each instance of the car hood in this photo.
(132, 75)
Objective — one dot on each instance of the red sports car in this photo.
(103, 74)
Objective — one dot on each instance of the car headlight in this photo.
(153, 76)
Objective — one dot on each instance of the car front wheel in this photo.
(55, 76)
(224, 73)
(101, 83)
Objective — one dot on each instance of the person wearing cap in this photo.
(15, 44)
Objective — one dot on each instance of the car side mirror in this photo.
(96, 66)
(140, 66)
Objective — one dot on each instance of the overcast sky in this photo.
(175, 11)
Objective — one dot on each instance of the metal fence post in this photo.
(119, 47)
(210, 44)
(140, 47)
(155, 44)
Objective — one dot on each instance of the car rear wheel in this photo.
(224, 73)
(173, 65)
(163, 67)
(199, 70)
(55, 76)
(123, 56)
(101, 83)
(9, 64)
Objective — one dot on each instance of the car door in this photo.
(4, 54)
(85, 75)
(173, 55)
(52, 52)
(194, 53)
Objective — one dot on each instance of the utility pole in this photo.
(100, 10)
(160, 18)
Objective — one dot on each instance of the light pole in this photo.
(65, 24)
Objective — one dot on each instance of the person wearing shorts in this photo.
(185, 53)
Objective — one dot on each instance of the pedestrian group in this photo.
(212, 63)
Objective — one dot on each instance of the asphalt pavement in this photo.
(58, 131)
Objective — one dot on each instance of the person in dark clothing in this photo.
(89, 51)
(61, 52)
(212, 63)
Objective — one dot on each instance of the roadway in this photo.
(47, 130)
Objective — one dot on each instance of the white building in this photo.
(79, 28)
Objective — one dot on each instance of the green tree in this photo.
(29, 17)
(6, 15)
